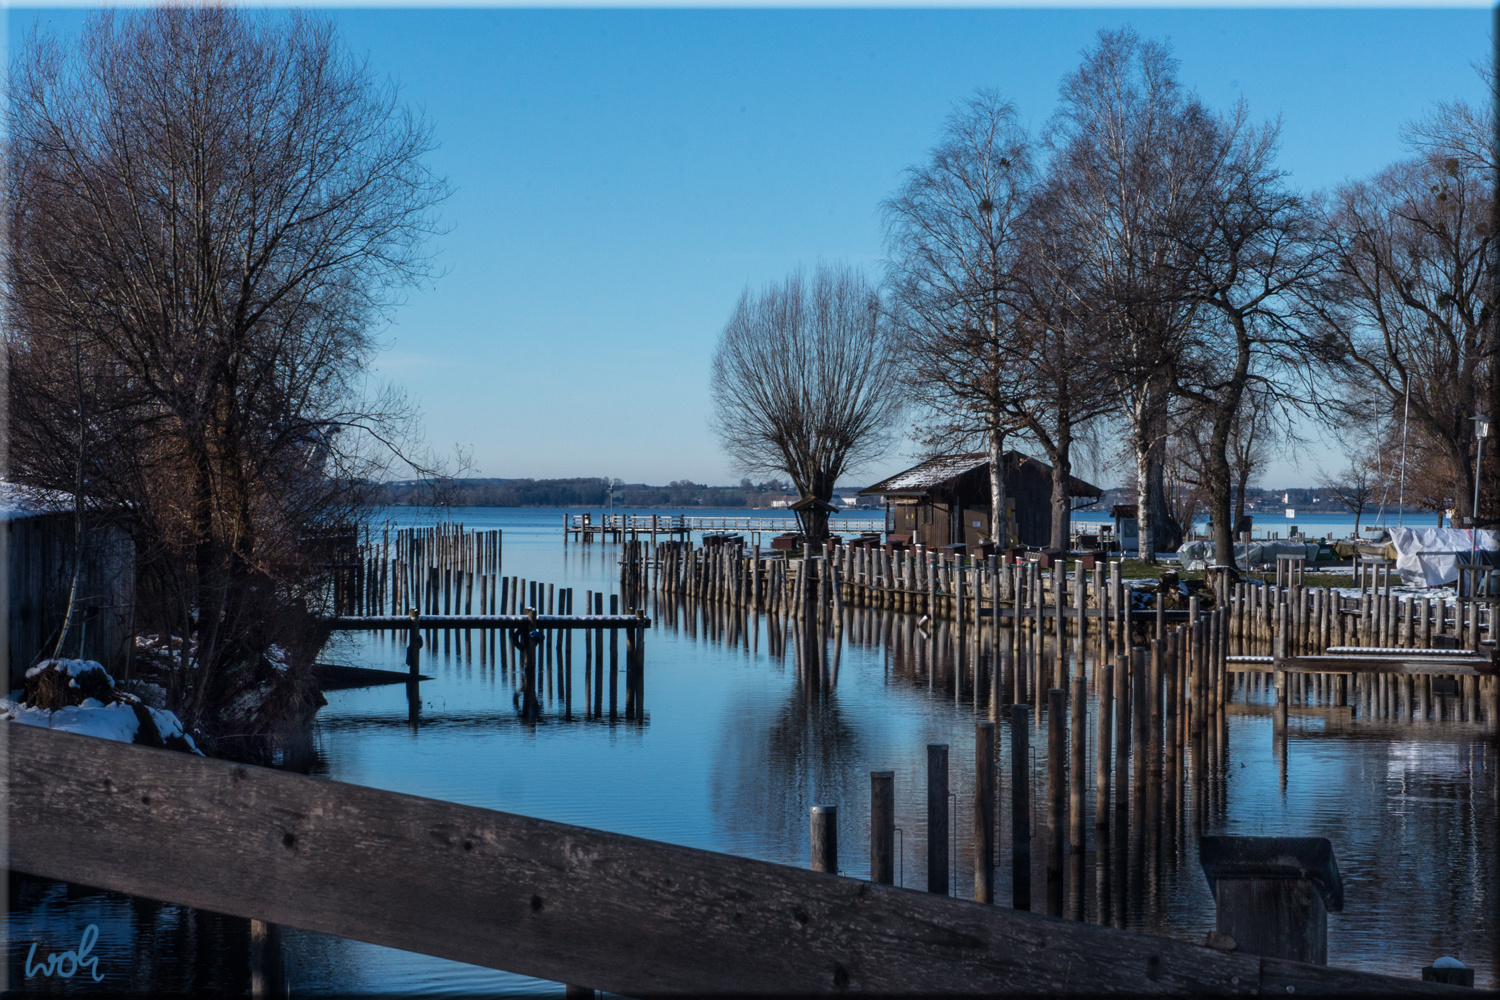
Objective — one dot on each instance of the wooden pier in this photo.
(680, 527)
(538, 648)
(598, 910)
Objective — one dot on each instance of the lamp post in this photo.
(1405, 423)
(1481, 431)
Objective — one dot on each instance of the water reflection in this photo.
(752, 719)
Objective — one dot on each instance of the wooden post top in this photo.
(1309, 858)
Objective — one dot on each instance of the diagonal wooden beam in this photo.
(560, 902)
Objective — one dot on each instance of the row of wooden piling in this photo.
(438, 569)
(1316, 618)
(915, 580)
(960, 588)
(1390, 696)
(1039, 602)
(1159, 735)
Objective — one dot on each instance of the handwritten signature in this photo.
(65, 965)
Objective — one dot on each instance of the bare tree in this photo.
(803, 381)
(1249, 446)
(1128, 170)
(953, 242)
(1184, 490)
(218, 206)
(1060, 386)
(1410, 301)
(1250, 253)
(1247, 449)
(1355, 487)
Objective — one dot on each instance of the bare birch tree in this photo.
(1129, 174)
(803, 381)
(952, 244)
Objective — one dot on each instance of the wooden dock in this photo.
(680, 527)
(564, 903)
(538, 647)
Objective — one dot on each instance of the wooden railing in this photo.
(564, 903)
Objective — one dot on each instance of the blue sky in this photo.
(620, 176)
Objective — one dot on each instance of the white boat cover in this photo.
(1199, 555)
(1429, 557)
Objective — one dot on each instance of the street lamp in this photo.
(1481, 431)
(1405, 423)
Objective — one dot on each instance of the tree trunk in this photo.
(1463, 478)
(1239, 500)
(817, 526)
(1220, 510)
(1145, 522)
(999, 523)
(1062, 511)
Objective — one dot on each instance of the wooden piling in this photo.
(937, 818)
(984, 812)
(1020, 811)
(883, 827)
(1106, 697)
(825, 839)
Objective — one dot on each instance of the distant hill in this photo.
(581, 492)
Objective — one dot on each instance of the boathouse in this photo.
(39, 545)
(946, 500)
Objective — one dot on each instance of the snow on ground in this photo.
(118, 720)
(92, 718)
(73, 668)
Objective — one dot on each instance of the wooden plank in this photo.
(1388, 665)
(559, 902)
(1362, 665)
(1439, 654)
(354, 623)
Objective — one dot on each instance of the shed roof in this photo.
(920, 480)
(813, 503)
(17, 502)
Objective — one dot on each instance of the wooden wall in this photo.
(39, 556)
(965, 499)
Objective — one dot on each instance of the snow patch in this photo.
(120, 719)
(73, 668)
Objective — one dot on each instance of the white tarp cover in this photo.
(1197, 556)
(1429, 557)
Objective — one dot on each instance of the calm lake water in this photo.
(733, 751)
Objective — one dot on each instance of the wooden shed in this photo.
(39, 542)
(946, 500)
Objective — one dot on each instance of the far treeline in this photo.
(585, 492)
